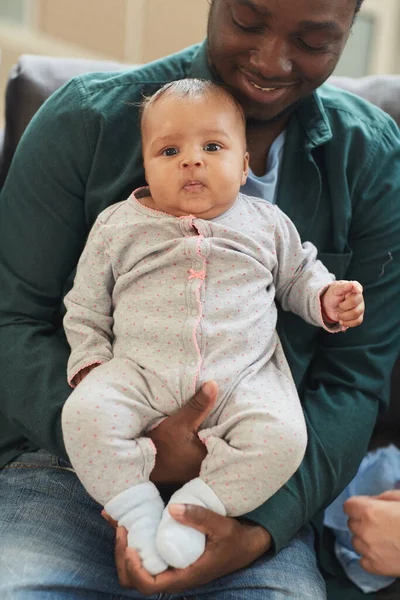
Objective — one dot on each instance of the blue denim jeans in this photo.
(54, 545)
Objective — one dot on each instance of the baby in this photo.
(175, 287)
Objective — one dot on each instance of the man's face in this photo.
(273, 53)
(194, 153)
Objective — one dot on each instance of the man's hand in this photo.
(230, 546)
(343, 303)
(179, 450)
(375, 524)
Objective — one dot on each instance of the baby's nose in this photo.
(191, 161)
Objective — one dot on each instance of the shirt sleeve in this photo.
(88, 321)
(349, 376)
(300, 278)
(43, 227)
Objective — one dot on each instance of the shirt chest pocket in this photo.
(336, 263)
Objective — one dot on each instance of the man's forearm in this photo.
(329, 464)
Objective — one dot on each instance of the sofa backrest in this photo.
(381, 90)
(34, 78)
(31, 81)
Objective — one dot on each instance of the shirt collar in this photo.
(312, 115)
(311, 112)
(200, 67)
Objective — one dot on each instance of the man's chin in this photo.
(257, 113)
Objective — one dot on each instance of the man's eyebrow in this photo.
(255, 7)
(318, 25)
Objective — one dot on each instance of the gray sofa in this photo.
(34, 78)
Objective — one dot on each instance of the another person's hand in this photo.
(375, 524)
(230, 546)
(343, 303)
(179, 449)
(82, 374)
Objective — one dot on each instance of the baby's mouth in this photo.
(193, 186)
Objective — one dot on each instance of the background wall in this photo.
(374, 45)
(172, 25)
(136, 31)
(126, 30)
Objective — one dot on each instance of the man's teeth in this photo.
(263, 89)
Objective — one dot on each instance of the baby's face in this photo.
(194, 155)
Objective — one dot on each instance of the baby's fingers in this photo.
(352, 317)
(357, 288)
(341, 288)
(351, 302)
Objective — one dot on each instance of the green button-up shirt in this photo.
(339, 183)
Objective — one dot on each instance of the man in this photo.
(329, 161)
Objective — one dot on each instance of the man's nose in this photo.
(271, 59)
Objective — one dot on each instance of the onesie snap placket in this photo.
(195, 247)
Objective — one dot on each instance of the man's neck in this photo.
(260, 137)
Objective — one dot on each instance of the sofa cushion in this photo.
(32, 80)
(381, 90)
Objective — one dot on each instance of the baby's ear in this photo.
(246, 160)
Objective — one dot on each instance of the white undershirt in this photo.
(266, 186)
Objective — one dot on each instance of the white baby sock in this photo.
(139, 509)
(180, 545)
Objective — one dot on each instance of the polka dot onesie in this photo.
(163, 304)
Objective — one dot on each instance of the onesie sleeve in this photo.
(300, 278)
(88, 322)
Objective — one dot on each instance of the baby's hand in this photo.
(82, 374)
(343, 303)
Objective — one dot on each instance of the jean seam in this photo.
(21, 466)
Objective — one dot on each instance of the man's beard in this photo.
(253, 121)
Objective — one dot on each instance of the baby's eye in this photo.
(212, 147)
(170, 152)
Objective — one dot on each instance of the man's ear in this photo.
(246, 160)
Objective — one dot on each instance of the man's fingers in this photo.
(121, 542)
(110, 521)
(133, 575)
(393, 495)
(355, 506)
(199, 407)
(199, 518)
(129, 565)
(368, 565)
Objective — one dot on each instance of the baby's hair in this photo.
(191, 88)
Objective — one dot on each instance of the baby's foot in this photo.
(139, 510)
(180, 545)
